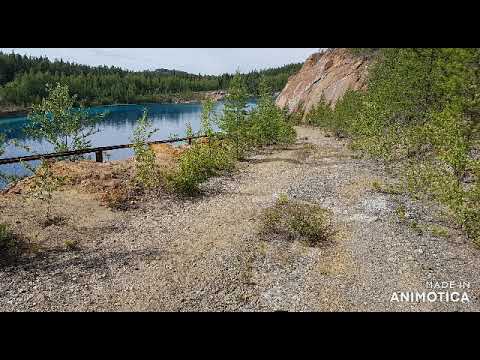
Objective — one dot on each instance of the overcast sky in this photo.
(193, 60)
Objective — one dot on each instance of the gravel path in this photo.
(205, 254)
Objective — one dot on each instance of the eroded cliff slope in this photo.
(326, 74)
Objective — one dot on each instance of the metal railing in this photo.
(98, 151)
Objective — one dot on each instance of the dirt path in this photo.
(206, 255)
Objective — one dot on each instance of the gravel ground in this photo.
(205, 254)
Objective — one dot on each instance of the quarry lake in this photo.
(116, 128)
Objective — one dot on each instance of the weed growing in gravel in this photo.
(401, 212)
(7, 239)
(204, 159)
(298, 221)
(383, 188)
(282, 199)
(439, 231)
(377, 186)
(415, 226)
(71, 245)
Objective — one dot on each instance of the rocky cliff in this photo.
(325, 75)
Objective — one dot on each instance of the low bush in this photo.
(202, 161)
(9, 245)
(297, 221)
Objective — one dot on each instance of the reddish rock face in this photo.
(326, 75)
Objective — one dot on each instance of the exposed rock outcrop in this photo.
(216, 95)
(326, 75)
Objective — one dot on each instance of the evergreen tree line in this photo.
(23, 81)
(421, 114)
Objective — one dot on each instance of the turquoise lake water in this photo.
(116, 128)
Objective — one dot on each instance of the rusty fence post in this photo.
(98, 156)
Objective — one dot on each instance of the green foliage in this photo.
(234, 122)
(7, 240)
(202, 161)
(242, 131)
(71, 245)
(364, 51)
(268, 124)
(56, 121)
(439, 231)
(146, 168)
(206, 124)
(421, 110)
(44, 183)
(264, 125)
(23, 80)
(2, 150)
(296, 220)
(282, 199)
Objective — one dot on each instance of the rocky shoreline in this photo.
(9, 112)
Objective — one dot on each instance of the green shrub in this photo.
(71, 245)
(421, 113)
(200, 162)
(264, 125)
(6, 237)
(242, 131)
(297, 221)
(268, 125)
(439, 231)
(9, 244)
(2, 150)
(44, 183)
(57, 121)
(147, 172)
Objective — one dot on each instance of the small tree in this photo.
(56, 121)
(268, 123)
(4, 178)
(206, 119)
(2, 150)
(233, 122)
(146, 168)
(44, 183)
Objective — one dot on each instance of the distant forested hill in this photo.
(23, 79)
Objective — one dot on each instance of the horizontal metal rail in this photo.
(98, 151)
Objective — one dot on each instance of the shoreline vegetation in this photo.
(23, 81)
(216, 95)
(241, 133)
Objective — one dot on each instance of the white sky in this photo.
(194, 60)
